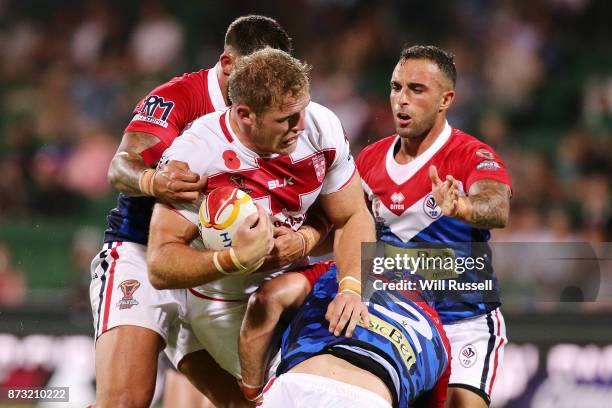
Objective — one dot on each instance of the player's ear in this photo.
(226, 60)
(447, 99)
(245, 114)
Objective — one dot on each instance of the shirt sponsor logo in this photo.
(396, 199)
(395, 336)
(287, 181)
(154, 109)
(488, 165)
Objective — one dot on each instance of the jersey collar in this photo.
(214, 89)
(400, 173)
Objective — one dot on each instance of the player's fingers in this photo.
(345, 316)
(365, 316)
(180, 175)
(454, 183)
(355, 316)
(279, 231)
(433, 175)
(177, 165)
(264, 224)
(251, 220)
(202, 182)
(180, 186)
(333, 314)
(190, 196)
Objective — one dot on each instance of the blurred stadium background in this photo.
(535, 82)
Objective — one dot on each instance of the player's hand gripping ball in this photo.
(222, 212)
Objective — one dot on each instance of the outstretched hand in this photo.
(446, 193)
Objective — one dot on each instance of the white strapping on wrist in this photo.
(218, 265)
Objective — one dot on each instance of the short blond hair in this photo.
(262, 79)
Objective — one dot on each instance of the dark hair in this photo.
(444, 60)
(251, 33)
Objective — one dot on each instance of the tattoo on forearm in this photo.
(490, 201)
(127, 165)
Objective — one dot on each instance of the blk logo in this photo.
(287, 181)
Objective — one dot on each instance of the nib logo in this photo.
(396, 200)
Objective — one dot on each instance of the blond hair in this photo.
(264, 78)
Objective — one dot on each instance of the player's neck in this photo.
(223, 85)
(412, 147)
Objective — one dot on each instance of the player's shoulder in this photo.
(191, 83)
(189, 78)
(203, 126)
(375, 152)
(323, 127)
(464, 143)
(321, 117)
(203, 132)
(199, 141)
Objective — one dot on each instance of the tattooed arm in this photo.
(127, 164)
(486, 206)
(129, 174)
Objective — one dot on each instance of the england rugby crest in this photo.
(319, 166)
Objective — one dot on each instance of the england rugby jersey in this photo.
(285, 185)
(406, 213)
(164, 113)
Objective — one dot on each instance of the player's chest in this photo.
(287, 183)
(411, 197)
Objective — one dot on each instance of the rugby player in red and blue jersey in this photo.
(434, 184)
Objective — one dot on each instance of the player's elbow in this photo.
(264, 306)
(502, 220)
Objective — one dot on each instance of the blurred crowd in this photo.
(538, 92)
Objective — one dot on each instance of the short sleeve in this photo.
(342, 168)
(164, 112)
(482, 162)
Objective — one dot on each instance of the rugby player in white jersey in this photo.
(286, 152)
(131, 318)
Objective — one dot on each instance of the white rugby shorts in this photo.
(216, 324)
(121, 294)
(299, 390)
(477, 348)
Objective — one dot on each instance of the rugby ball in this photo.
(222, 212)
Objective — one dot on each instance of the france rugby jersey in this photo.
(402, 338)
(407, 215)
(164, 113)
